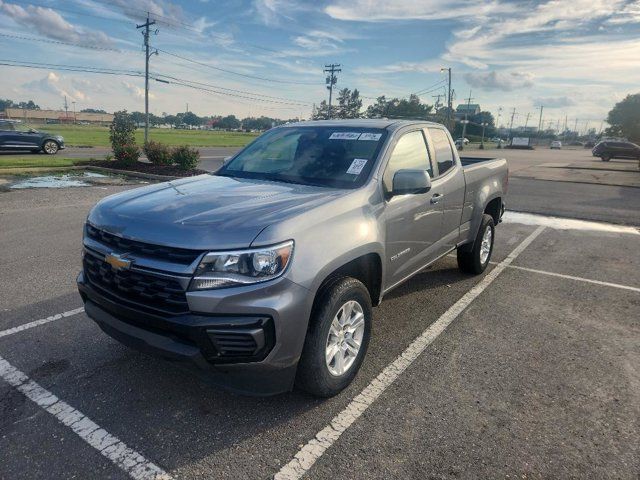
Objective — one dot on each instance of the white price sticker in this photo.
(370, 136)
(356, 166)
(344, 136)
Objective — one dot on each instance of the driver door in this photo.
(413, 222)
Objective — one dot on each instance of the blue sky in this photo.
(577, 58)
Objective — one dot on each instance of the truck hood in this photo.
(207, 212)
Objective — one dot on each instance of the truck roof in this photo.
(362, 123)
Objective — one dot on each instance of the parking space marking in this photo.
(580, 279)
(111, 447)
(315, 448)
(42, 321)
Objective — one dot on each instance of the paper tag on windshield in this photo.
(344, 136)
(370, 136)
(357, 165)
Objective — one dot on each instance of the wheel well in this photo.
(50, 140)
(367, 269)
(493, 208)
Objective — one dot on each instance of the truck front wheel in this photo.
(337, 340)
(476, 259)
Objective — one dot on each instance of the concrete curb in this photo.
(573, 181)
(148, 176)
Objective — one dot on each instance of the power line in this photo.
(58, 42)
(185, 83)
(246, 75)
(289, 100)
(70, 68)
(424, 91)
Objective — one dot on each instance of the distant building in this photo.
(57, 116)
(469, 109)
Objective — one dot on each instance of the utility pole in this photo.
(464, 123)
(526, 121)
(449, 98)
(75, 120)
(513, 114)
(66, 109)
(331, 69)
(575, 128)
(147, 56)
(540, 121)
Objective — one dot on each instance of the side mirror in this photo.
(226, 160)
(411, 181)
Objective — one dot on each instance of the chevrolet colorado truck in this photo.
(262, 276)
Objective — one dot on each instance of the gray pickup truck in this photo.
(263, 275)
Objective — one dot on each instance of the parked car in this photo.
(14, 135)
(556, 144)
(461, 141)
(607, 150)
(264, 274)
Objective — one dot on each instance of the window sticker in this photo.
(344, 136)
(356, 166)
(370, 136)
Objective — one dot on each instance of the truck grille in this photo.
(168, 254)
(160, 294)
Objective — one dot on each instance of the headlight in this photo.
(242, 267)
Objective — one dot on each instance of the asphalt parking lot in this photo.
(531, 370)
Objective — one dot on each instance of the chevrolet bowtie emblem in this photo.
(118, 262)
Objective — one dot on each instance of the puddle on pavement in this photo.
(66, 180)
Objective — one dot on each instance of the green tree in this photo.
(92, 110)
(122, 137)
(230, 122)
(320, 112)
(349, 104)
(192, 119)
(624, 118)
(411, 108)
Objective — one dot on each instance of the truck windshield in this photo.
(339, 157)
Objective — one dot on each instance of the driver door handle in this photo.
(436, 198)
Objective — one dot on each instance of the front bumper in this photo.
(213, 340)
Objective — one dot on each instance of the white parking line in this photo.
(315, 448)
(111, 447)
(579, 279)
(42, 321)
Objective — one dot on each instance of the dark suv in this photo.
(16, 136)
(608, 149)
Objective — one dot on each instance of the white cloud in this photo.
(373, 11)
(51, 24)
(554, 102)
(52, 83)
(505, 81)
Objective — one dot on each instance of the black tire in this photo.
(313, 375)
(469, 259)
(605, 158)
(50, 147)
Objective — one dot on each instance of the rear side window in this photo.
(442, 149)
(409, 153)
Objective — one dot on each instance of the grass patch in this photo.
(94, 136)
(24, 161)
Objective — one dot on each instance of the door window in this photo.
(409, 153)
(442, 149)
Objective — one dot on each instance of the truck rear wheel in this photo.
(476, 259)
(337, 340)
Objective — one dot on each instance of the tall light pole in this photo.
(484, 124)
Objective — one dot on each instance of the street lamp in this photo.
(484, 124)
(464, 133)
